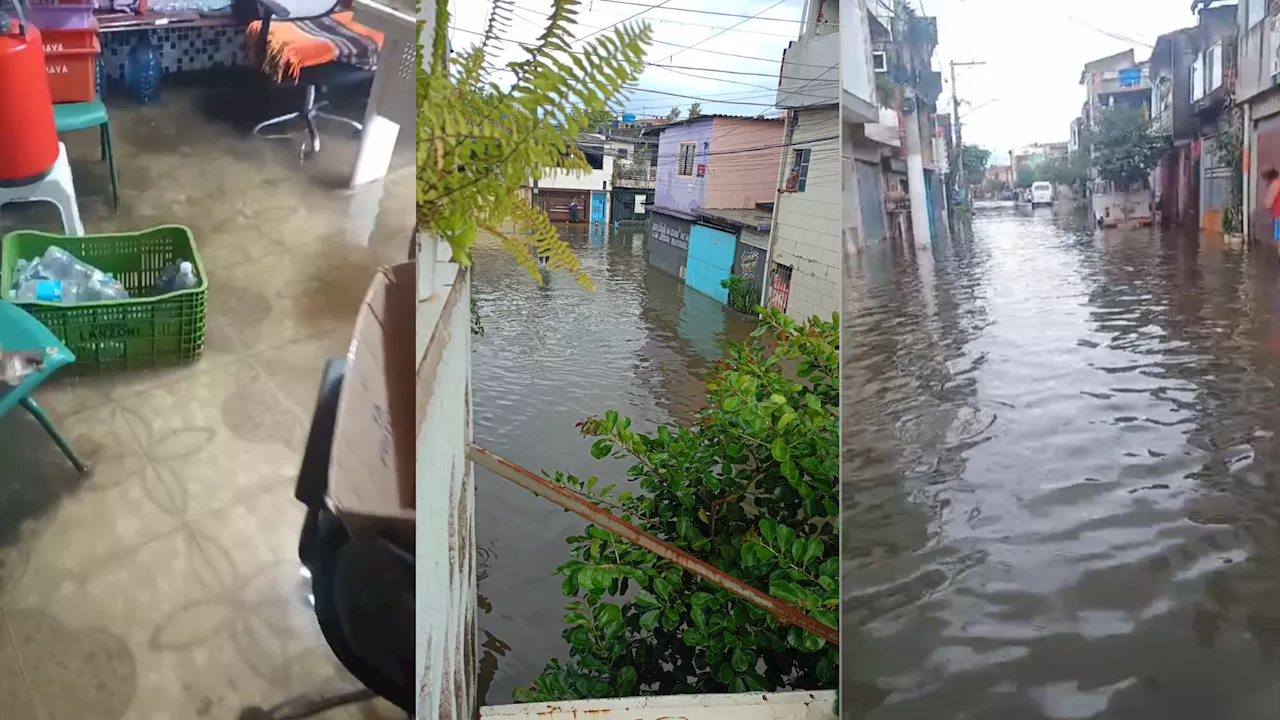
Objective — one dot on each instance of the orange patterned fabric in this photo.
(292, 46)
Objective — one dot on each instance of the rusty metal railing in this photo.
(580, 506)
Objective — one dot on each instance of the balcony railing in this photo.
(634, 173)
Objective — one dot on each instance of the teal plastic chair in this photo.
(85, 115)
(18, 332)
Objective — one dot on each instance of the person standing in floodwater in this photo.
(1273, 203)
(573, 211)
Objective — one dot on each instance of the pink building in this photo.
(717, 161)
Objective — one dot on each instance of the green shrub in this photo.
(750, 488)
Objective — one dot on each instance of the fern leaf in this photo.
(478, 144)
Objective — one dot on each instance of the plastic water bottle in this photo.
(175, 277)
(142, 69)
(77, 281)
(58, 264)
(40, 291)
(101, 287)
(186, 277)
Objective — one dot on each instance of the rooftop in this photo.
(755, 218)
(711, 116)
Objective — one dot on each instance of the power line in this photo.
(700, 99)
(683, 23)
(716, 35)
(709, 98)
(737, 151)
(693, 47)
(1108, 33)
(646, 9)
(726, 72)
(535, 23)
(660, 42)
(710, 12)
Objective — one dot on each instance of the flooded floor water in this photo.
(166, 583)
(551, 356)
(1062, 489)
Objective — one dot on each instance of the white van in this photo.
(1041, 194)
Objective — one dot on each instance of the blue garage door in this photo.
(710, 261)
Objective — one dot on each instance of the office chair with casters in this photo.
(316, 45)
(363, 586)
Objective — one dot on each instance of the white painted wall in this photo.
(858, 82)
(598, 180)
(445, 582)
(818, 705)
(807, 227)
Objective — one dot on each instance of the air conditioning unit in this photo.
(879, 61)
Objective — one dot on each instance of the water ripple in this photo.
(1061, 480)
(551, 356)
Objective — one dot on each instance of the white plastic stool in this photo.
(57, 188)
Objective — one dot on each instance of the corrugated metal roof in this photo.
(710, 116)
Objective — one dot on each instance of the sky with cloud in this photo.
(1028, 90)
(753, 49)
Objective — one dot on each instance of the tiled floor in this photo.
(166, 583)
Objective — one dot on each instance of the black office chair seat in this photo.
(363, 587)
(333, 75)
(315, 80)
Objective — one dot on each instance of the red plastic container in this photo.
(72, 73)
(61, 41)
(27, 131)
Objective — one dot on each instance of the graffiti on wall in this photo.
(674, 236)
(750, 261)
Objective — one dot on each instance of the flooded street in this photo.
(1061, 498)
(551, 356)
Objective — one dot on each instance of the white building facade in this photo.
(805, 240)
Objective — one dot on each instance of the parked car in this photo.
(1041, 194)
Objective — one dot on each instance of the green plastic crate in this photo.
(143, 332)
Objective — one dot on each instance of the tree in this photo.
(1061, 170)
(974, 161)
(479, 143)
(1125, 150)
(1023, 176)
(695, 110)
(751, 487)
(994, 186)
(674, 115)
(600, 118)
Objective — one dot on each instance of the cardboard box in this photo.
(371, 471)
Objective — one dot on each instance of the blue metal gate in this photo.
(599, 208)
(928, 194)
(710, 260)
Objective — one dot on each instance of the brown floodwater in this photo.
(1061, 488)
(552, 355)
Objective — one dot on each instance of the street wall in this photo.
(668, 243)
(807, 232)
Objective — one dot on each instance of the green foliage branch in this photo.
(1124, 148)
(751, 487)
(480, 143)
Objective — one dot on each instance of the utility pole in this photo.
(915, 172)
(958, 161)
